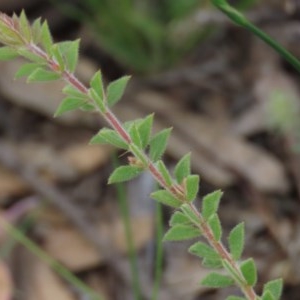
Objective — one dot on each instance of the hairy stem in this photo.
(177, 190)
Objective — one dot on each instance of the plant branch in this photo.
(178, 190)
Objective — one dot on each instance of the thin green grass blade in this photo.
(159, 251)
(124, 210)
(19, 236)
(241, 20)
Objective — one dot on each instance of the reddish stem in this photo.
(175, 189)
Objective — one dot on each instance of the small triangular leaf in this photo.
(166, 198)
(24, 26)
(46, 38)
(181, 232)
(205, 251)
(212, 263)
(69, 51)
(145, 128)
(135, 136)
(67, 105)
(98, 101)
(58, 57)
(249, 272)
(216, 280)
(164, 172)
(7, 53)
(31, 56)
(42, 75)
(96, 84)
(190, 213)
(70, 90)
(215, 225)
(192, 187)
(124, 173)
(274, 287)
(267, 296)
(236, 241)
(27, 69)
(183, 168)
(109, 136)
(178, 218)
(36, 29)
(115, 90)
(88, 107)
(158, 144)
(210, 204)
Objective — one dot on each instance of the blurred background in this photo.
(232, 102)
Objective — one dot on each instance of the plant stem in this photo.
(175, 189)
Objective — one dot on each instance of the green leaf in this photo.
(69, 50)
(67, 105)
(27, 69)
(212, 263)
(166, 198)
(124, 173)
(181, 232)
(25, 29)
(210, 204)
(215, 225)
(88, 107)
(98, 101)
(205, 251)
(109, 136)
(183, 168)
(57, 55)
(31, 56)
(70, 90)
(115, 90)
(36, 29)
(42, 75)
(135, 136)
(158, 144)
(267, 296)
(190, 213)
(249, 272)
(7, 53)
(96, 84)
(236, 241)
(192, 187)
(178, 218)
(164, 172)
(216, 280)
(274, 287)
(235, 298)
(145, 128)
(46, 38)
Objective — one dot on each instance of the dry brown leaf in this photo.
(45, 284)
(10, 184)
(54, 165)
(78, 254)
